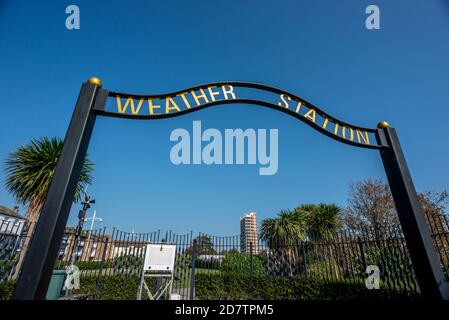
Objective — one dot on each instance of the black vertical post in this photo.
(250, 295)
(192, 278)
(251, 261)
(362, 254)
(105, 241)
(419, 242)
(42, 252)
(303, 253)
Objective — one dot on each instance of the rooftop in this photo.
(10, 212)
(248, 215)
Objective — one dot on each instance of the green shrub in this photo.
(238, 286)
(6, 290)
(123, 262)
(231, 286)
(115, 287)
(109, 287)
(240, 262)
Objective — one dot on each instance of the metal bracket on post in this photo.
(43, 250)
(426, 263)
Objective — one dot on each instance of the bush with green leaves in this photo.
(6, 290)
(240, 262)
(123, 262)
(235, 286)
(117, 287)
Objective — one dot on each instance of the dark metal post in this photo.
(250, 294)
(41, 255)
(105, 240)
(362, 254)
(419, 242)
(251, 261)
(303, 253)
(192, 278)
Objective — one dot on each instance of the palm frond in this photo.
(30, 169)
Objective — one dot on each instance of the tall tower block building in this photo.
(248, 233)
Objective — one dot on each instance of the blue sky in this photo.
(319, 50)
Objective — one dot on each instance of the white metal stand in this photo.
(159, 263)
(163, 288)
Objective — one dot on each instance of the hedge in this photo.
(233, 286)
(110, 287)
(6, 290)
(117, 263)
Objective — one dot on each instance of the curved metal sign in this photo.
(160, 106)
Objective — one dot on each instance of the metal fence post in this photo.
(362, 253)
(192, 278)
(303, 253)
(251, 260)
(250, 295)
(106, 246)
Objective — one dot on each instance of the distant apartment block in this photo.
(248, 233)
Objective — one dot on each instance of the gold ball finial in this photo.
(383, 125)
(96, 81)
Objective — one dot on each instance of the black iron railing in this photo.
(105, 255)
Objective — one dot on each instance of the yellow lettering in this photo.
(326, 120)
(129, 101)
(336, 129)
(183, 96)
(343, 131)
(283, 96)
(151, 106)
(201, 96)
(212, 93)
(361, 137)
(298, 107)
(170, 104)
(311, 114)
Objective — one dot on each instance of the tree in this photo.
(283, 235)
(433, 204)
(29, 171)
(370, 206)
(322, 220)
(203, 245)
(285, 229)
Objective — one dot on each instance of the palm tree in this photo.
(322, 221)
(284, 229)
(283, 233)
(30, 170)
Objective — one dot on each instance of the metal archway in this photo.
(93, 100)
